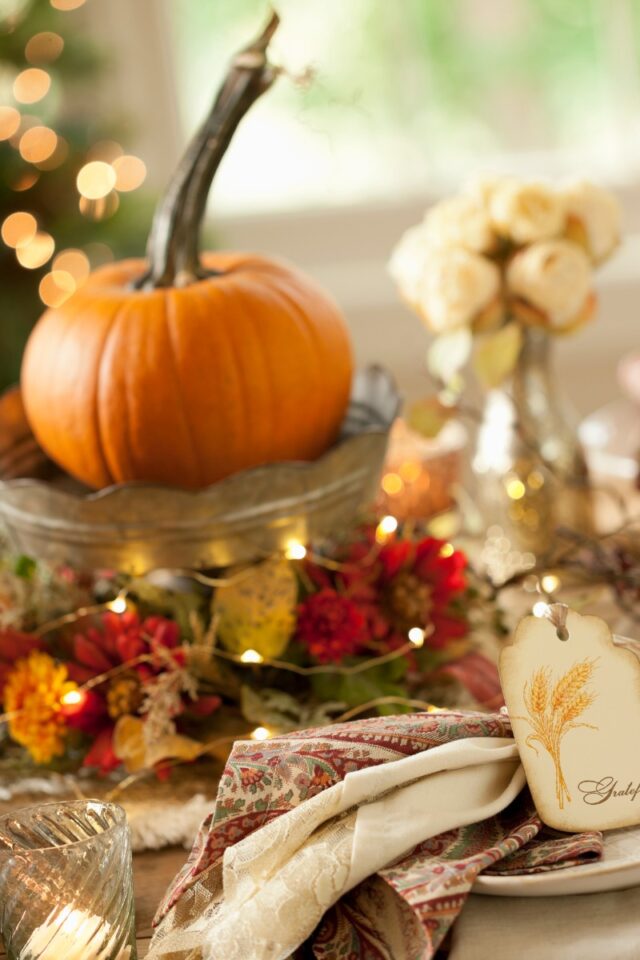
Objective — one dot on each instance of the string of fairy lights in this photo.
(295, 552)
(106, 173)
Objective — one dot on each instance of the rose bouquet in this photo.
(495, 274)
(501, 257)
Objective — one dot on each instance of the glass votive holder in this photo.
(66, 882)
(420, 476)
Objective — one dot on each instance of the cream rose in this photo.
(598, 213)
(526, 212)
(554, 277)
(456, 287)
(460, 222)
(408, 263)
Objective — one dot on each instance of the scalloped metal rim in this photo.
(140, 526)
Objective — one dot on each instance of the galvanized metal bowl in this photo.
(138, 527)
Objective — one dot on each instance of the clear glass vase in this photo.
(66, 886)
(531, 471)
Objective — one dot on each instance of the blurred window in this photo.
(411, 96)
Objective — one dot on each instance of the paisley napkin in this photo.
(358, 840)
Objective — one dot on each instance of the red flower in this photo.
(122, 638)
(88, 714)
(330, 626)
(403, 584)
(418, 582)
(101, 754)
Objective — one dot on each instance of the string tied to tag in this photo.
(556, 613)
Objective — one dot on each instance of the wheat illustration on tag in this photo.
(554, 711)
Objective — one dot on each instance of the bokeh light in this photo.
(66, 4)
(130, 172)
(38, 144)
(56, 287)
(44, 47)
(99, 254)
(100, 209)
(107, 150)
(75, 263)
(9, 122)
(25, 181)
(31, 85)
(58, 156)
(392, 484)
(19, 229)
(37, 252)
(96, 180)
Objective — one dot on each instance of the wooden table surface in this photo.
(153, 871)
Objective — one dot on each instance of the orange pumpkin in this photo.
(187, 368)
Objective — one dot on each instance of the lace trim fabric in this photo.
(271, 871)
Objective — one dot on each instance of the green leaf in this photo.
(355, 689)
(282, 712)
(428, 416)
(496, 355)
(24, 567)
(449, 353)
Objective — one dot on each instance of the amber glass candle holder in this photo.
(66, 885)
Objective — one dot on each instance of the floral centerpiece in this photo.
(494, 274)
(153, 676)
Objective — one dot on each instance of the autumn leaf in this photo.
(496, 355)
(257, 611)
(428, 416)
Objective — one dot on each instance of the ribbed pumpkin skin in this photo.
(187, 385)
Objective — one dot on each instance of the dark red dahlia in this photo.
(418, 584)
(330, 626)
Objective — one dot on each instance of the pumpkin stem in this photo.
(174, 242)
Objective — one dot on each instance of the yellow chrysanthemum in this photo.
(33, 699)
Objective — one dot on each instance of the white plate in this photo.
(618, 868)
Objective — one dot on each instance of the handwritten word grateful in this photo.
(599, 791)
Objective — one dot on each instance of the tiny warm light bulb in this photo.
(36, 252)
(416, 636)
(74, 262)
(260, 733)
(295, 550)
(31, 85)
(38, 143)
(73, 698)
(387, 526)
(19, 229)
(9, 122)
(516, 489)
(251, 656)
(549, 582)
(56, 287)
(44, 47)
(446, 550)
(130, 172)
(392, 484)
(540, 609)
(118, 605)
(66, 5)
(96, 180)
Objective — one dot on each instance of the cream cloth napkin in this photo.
(274, 886)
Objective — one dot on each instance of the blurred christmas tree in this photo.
(65, 183)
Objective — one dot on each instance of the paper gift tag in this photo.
(574, 703)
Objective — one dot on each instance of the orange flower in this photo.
(33, 700)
